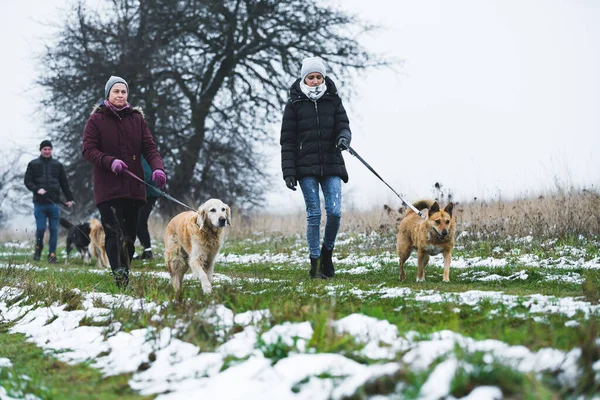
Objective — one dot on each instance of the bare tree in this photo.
(211, 75)
(12, 189)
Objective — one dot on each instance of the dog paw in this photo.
(402, 277)
(207, 289)
(420, 279)
(446, 280)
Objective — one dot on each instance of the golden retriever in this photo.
(430, 236)
(96, 246)
(193, 239)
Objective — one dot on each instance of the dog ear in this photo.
(228, 215)
(435, 207)
(201, 217)
(449, 208)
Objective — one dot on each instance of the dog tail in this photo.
(421, 205)
(64, 223)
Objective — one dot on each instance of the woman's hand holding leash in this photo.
(159, 177)
(118, 166)
(343, 143)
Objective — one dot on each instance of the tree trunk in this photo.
(182, 176)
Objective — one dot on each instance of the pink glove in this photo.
(159, 177)
(118, 166)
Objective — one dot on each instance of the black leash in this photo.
(168, 196)
(366, 164)
(60, 202)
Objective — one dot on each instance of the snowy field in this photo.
(376, 341)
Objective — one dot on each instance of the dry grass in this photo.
(555, 216)
(558, 215)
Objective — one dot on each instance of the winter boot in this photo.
(38, 253)
(121, 277)
(315, 268)
(52, 258)
(326, 263)
(147, 255)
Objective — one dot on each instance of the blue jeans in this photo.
(43, 212)
(332, 192)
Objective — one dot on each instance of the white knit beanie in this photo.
(312, 64)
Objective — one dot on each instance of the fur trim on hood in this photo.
(100, 106)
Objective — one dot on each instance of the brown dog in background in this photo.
(430, 236)
(96, 246)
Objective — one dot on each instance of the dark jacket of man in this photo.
(49, 174)
(309, 133)
(150, 191)
(124, 136)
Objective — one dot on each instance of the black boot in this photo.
(315, 268)
(52, 258)
(147, 255)
(121, 277)
(38, 253)
(326, 263)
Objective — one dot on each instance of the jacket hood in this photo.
(295, 93)
(100, 107)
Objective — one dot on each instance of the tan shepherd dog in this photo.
(430, 236)
(96, 246)
(193, 239)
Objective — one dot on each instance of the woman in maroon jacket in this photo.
(115, 137)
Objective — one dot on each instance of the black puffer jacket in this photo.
(309, 133)
(48, 174)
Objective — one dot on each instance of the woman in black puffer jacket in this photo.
(314, 131)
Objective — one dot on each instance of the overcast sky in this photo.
(494, 97)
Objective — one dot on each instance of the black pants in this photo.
(119, 220)
(142, 225)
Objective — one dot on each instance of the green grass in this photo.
(34, 372)
(291, 296)
(313, 301)
(473, 371)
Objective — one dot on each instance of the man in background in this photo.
(45, 177)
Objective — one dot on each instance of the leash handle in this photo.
(366, 164)
(66, 211)
(168, 196)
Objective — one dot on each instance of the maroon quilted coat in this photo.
(124, 136)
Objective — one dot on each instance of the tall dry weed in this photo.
(558, 215)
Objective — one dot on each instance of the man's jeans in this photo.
(332, 193)
(43, 212)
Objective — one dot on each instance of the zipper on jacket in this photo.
(47, 175)
(319, 131)
(117, 114)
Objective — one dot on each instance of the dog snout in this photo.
(222, 221)
(444, 232)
